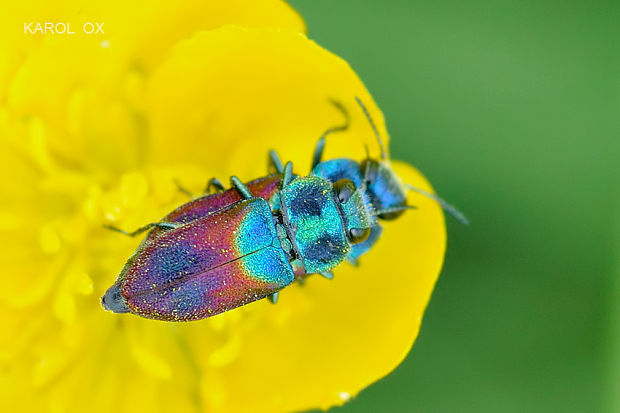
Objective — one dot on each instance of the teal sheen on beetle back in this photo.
(357, 211)
(317, 229)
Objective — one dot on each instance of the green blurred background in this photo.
(511, 110)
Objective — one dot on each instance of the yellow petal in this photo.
(224, 98)
(156, 102)
(87, 96)
(208, 101)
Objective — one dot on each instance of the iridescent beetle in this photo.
(242, 252)
(388, 195)
(227, 249)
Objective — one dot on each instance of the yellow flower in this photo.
(95, 129)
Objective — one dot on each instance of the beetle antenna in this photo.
(374, 128)
(394, 209)
(450, 209)
(366, 170)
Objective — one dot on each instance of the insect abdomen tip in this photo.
(113, 300)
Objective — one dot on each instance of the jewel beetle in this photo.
(242, 252)
(222, 251)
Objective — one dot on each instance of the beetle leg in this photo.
(320, 145)
(274, 297)
(352, 261)
(180, 188)
(275, 164)
(301, 281)
(287, 175)
(327, 274)
(214, 186)
(163, 225)
(318, 152)
(243, 190)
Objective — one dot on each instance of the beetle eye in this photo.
(357, 235)
(344, 188)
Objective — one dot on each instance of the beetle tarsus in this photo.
(181, 189)
(327, 274)
(162, 225)
(275, 164)
(243, 190)
(214, 186)
(287, 175)
(353, 261)
(274, 297)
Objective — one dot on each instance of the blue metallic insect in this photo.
(236, 246)
(387, 193)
